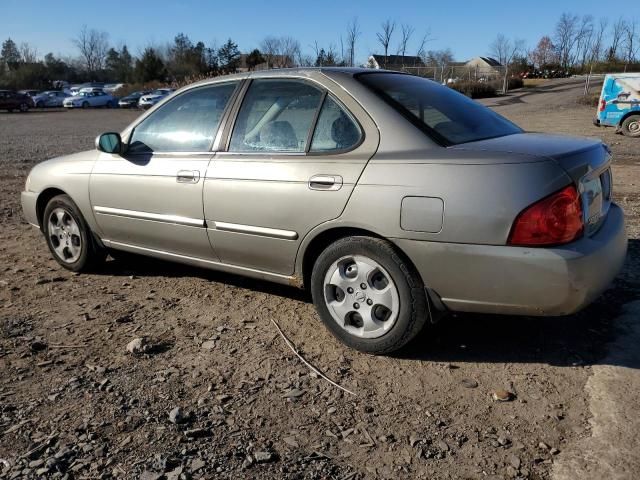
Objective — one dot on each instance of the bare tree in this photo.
(565, 37)
(269, 47)
(93, 46)
(384, 37)
(544, 54)
(406, 32)
(630, 41)
(617, 35)
(598, 41)
(289, 52)
(353, 32)
(505, 50)
(28, 54)
(423, 42)
(584, 39)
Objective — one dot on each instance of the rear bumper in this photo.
(28, 200)
(522, 281)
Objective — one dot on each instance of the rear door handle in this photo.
(325, 182)
(188, 176)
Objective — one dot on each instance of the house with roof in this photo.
(484, 66)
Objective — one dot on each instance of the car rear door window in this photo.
(187, 123)
(336, 129)
(276, 116)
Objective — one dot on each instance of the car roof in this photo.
(295, 72)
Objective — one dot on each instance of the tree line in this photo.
(576, 44)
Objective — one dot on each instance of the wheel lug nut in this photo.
(356, 305)
(363, 286)
(369, 302)
(349, 290)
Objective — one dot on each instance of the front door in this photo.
(151, 197)
(294, 157)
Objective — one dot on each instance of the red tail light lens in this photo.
(554, 220)
(603, 105)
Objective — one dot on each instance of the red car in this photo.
(11, 101)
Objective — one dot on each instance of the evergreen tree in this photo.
(150, 67)
(229, 56)
(10, 55)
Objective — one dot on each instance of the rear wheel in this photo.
(367, 295)
(68, 236)
(631, 126)
(24, 107)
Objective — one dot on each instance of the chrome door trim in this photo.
(154, 217)
(253, 230)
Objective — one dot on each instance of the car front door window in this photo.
(188, 123)
(276, 116)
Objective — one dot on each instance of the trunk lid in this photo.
(586, 161)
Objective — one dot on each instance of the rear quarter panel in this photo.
(480, 201)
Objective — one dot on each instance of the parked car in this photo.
(10, 100)
(131, 100)
(389, 197)
(50, 98)
(112, 87)
(149, 100)
(86, 99)
(619, 104)
(30, 93)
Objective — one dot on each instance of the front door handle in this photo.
(325, 182)
(188, 176)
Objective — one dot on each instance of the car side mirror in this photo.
(109, 142)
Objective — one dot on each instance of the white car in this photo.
(147, 101)
(90, 99)
(50, 98)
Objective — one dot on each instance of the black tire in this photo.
(24, 107)
(92, 254)
(85, 104)
(631, 126)
(413, 312)
(40, 104)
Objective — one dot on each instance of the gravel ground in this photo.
(220, 395)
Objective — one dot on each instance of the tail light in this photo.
(603, 104)
(554, 220)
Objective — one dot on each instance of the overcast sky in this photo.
(465, 26)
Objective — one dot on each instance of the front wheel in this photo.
(85, 104)
(631, 126)
(68, 236)
(24, 107)
(368, 295)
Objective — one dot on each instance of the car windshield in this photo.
(446, 115)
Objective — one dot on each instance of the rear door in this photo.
(294, 156)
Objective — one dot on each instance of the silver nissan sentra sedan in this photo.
(389, 197)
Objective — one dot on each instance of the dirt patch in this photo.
(74, 401)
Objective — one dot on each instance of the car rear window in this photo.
(447, 116)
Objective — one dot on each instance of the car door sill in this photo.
(204, 263)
